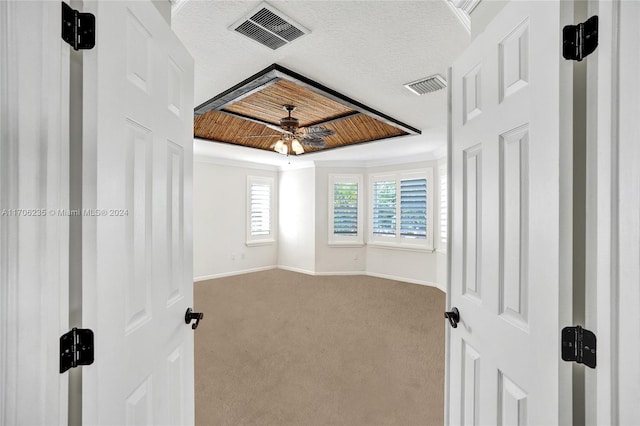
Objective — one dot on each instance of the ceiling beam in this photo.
(247, 87)
(253, 120)
(316, 87)
(334, 119)
(274, 73)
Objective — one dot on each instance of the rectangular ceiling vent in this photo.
(427, 85)
(269, 27)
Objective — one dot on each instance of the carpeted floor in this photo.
(280, 348)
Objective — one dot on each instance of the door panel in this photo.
(472, 222)
(514, 226)
(470, 384)
(137, 278)
(511, 220)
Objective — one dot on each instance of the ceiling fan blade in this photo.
(313, 142)
(316, 132)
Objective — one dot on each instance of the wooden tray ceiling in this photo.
(251, 110)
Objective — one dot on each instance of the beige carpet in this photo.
(282, 348)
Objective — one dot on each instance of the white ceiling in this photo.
(366, 50)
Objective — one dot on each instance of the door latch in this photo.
(190, 315)
(453, 317)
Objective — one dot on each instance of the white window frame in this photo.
(442, 208)
(351, 240)
(255, 240)
(397, 241)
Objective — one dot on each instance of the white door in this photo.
(613, 246)
(137, 248)
(511, 156)
(34, 229)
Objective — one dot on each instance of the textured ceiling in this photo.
(366, 50)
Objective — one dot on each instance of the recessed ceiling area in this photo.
(251, 113)
(367, 50)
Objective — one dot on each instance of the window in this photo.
(401, 209)
(259, 210)
(345, 210)
(413, 208)
(442, 172)
(384, 208)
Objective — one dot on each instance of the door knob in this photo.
(190, 315)
(453, 317)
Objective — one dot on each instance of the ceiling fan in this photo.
(294, 138)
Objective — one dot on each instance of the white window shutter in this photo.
(384, 208)
(260, 209)
(413, 208)
(345, 209)
(443, 206)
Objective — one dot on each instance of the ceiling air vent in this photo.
(427, 85)
(269, 27)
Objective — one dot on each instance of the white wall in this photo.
(219, 222)
(302, 229)
(408, 265)
(297, 215)
(332, 259)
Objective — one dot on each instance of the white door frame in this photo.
(612, 249)
(599, 398)
(34, 160)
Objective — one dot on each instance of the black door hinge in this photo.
(579, 345)
(579, 41)
(78, 29)
(76, 348)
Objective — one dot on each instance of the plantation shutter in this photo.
(260, 209)
(443, 207)
(384, 208)
(413, 208)
(345, 209)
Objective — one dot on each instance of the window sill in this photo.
(260, 243)
(403, 247)
(345, 244)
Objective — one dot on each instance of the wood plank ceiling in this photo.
(249, 113)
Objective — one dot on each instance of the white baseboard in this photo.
(292, 269)
(406, 280)
(309, 272)
(341, 273)
(232, 273)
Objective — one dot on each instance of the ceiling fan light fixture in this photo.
(297, 147)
